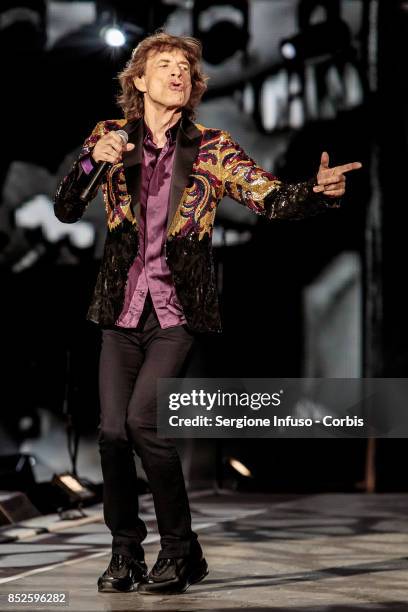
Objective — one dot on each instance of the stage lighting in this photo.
(72, 486)
(288, 50)
(222, 28)
(23, 26)
(326, 38)
(113, 36)
(239, 467)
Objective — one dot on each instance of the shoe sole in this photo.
(107, 587)
(197, 576)
(110, 589)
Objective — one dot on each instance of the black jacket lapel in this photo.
(187, 145)
(132, 163)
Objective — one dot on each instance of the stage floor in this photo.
(320, 553)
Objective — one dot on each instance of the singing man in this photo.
(156, 287)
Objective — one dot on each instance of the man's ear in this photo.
(140, 84)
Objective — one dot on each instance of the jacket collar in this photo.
(187, 145)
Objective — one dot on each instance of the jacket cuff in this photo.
(324, 200)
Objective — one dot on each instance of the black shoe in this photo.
(170, 576)
(122, 574)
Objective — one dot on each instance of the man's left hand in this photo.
(332, 181)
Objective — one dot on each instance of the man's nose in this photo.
(176, 72)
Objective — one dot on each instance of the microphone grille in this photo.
(124, 135)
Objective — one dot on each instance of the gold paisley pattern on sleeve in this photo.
(242, 179)
(263, 192)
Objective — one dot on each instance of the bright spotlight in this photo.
(288, 50)
(240, 467)
(114, 37)
(326, 38)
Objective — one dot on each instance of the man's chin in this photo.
(177, 100)
(172, 105)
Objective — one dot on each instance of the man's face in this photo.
(167, 80)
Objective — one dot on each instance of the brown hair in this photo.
(131, 99)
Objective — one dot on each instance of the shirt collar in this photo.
(171, 133)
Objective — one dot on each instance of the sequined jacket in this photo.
(208, 165)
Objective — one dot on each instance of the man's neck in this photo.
(159, 122)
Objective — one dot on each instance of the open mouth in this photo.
(176, 86)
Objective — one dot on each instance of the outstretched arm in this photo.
(265, 194)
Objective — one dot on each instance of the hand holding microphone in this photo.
(110, 147)
(107, 151)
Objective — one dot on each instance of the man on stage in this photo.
(156, 287)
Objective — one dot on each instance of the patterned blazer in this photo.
(208, 165)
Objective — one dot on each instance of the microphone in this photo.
(99, 171)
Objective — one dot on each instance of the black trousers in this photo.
(131, 361)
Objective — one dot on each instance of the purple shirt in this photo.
(149, 271)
